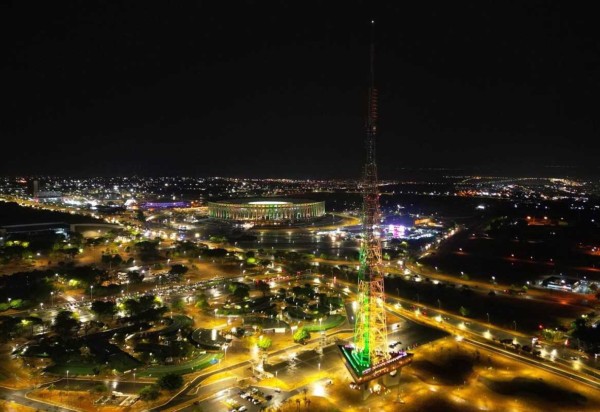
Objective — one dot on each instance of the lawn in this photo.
(74, 368)
(327, 323)
(201, 362)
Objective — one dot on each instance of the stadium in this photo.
(266, 211)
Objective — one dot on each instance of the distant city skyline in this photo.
(278, 90)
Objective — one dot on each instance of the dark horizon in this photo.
(279, 90)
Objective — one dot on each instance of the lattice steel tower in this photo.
(370, 334)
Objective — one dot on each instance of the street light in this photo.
(488, 316)
(91, 292)
(515, 323)
(52, 298)
(439, 304)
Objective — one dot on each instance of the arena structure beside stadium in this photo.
(266, 211)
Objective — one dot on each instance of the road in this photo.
(585, 371)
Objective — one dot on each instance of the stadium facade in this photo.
(270, 211)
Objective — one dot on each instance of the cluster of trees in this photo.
(263, 286)
(202, 301)
(146, 308)
(588, 336)
(25, 287)
(177, 271)
(188, 249)
(55, 246)
(84, 275)
(114, 259)
(304, 291)
(66, 323)
(301, 335)
(147, 250)
(11, 326)
(104, 309)
(238, 290)
(169, 382)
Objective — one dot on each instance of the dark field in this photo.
(13, 214)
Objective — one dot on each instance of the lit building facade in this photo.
(266, 210)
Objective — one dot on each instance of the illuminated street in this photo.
(299, 206)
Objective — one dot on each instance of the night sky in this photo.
(278, 89)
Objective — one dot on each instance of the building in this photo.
(35, 228)
(270, 211)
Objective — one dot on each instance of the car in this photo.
(256, 401)
(278, 390)
(242, 408)
(573, 358)
(244, 395)
(269, 397)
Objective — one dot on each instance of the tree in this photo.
(135, 277)
(464, 311)
(140, 215)
(178, 270)
(149, 393)
(112, 259)
(8, 326)
(170, 381)
(239, 290)
(301, 335)
(202, 301)
(177, 304)
(131, 307)
(264, 343)
(104, 309)
(147, 250)
(263, 287)
(65, 323)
